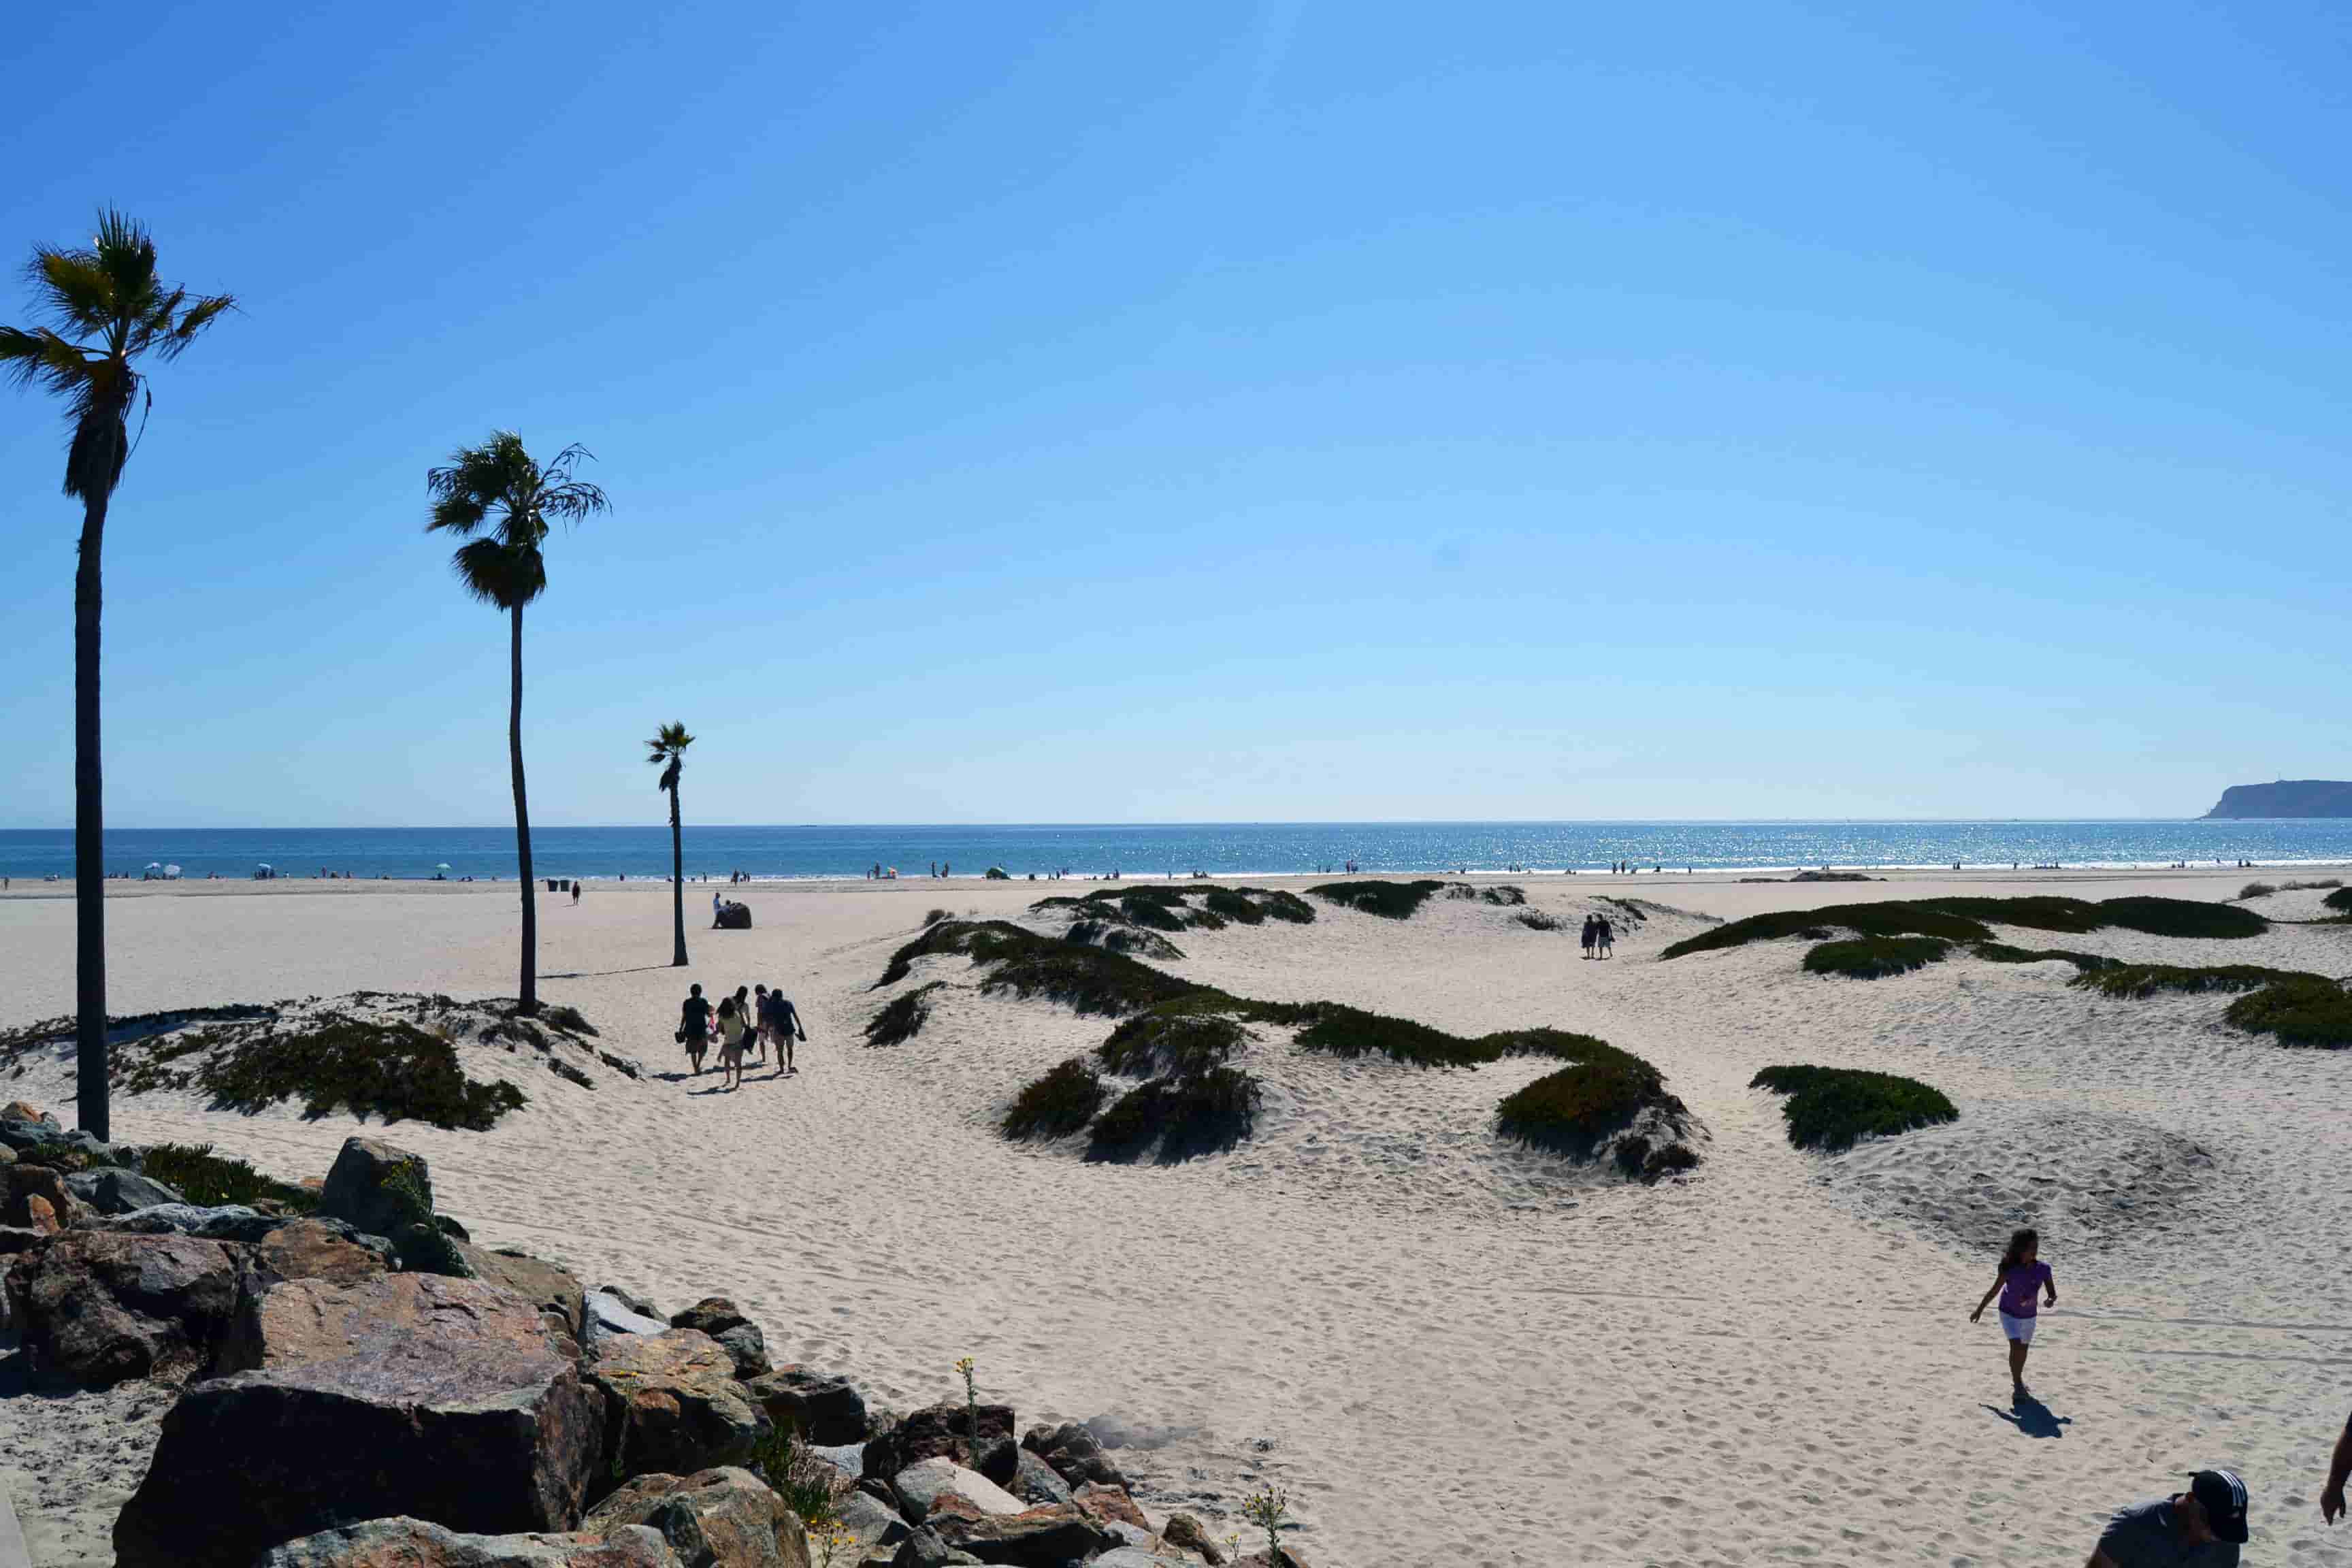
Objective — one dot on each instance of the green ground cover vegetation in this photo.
(1832, 1109)
(1875, 957)
(208, 1179)
(1056, 1105)
(2308, 1010)
(1965, 920)
(1389, 901)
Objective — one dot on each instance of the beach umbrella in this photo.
(444, 865)
(155, 865)
(267, 867)
(171, 870)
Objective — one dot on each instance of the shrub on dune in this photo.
(1086, 979)
(1057, 1104)
(1964, 920)
(1182, 1043)
(2002, 953)
(1233, 906)
(1832, 1109)
(1600, 1097)
(899, 1021)
(1350, 1032)
(1178, 1117)
(2182, 918)
(330, 1060)
(207, 1179)
(1892, 919)
(2256, 890)
(1113, 938)
(1535, 919)
(2142, 979)
(2299, 1009)
(1389, 901)
(2339, 900)
(1877, 957)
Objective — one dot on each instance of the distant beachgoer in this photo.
(945, 869)
(1604, 936)
(575, 891)
(694, 1027)
(2022, 1278)
(716, 904)
(1591, 933)
(2204, 1525)
(730, 1043)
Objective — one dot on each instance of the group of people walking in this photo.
(753, 1018)
(2206, 1522)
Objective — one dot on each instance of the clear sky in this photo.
(1254, 410)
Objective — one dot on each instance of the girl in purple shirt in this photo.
(2022, 1278)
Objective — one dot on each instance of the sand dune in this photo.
(1450, 1349)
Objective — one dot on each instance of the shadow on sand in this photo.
(600, 974)
(2033, 1418)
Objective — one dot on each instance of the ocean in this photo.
(1225, 848)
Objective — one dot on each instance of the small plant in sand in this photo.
(1266, 1509)
(971, 1411)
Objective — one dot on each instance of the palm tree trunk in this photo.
(90, 1105)
(676, 884)
(523, 830)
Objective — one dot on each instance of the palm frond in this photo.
(41, 357)
(125, 252)
(668, 744)
(573, 500)
(499, 574)
(72, 289)
(173, 341)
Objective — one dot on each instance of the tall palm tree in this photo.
(499, 492)
(669, 746)
(105, 310)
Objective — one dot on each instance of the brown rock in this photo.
(301, 1323)
(413, 1543)
(314, 1249)
(1074, 1454)
(1184, 1531)
(714, 1315)
(19, 1111)
(1258, 1559)
(39, 1216)
(822, 1408)
(446, 1405)
(725, 1518)
(937, 1431)
(26, 1182)
(96, 1308)
(1045, 1537)
(672, 1404)
(542, 1284)
(377, 1187)
(1108, 1504)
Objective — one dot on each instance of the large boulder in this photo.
(403, 1394)
(219, 1222)
(872, 1527)
(302, 1322)
(1074, 1453)
(938, 1431)
(319, 1249)
(821, 1406)
(714, 1315)
(921, 1485)
(1183, 1529)
(672, 1404)
(26, 1182)
(1109, 1505)
(543, 1284)
(415, 1544)
(1046, 1537)
(606, 1314)
(112, 1191)
(722, 1518)
(386, 1191)
(95, 1309)
(1035, 1481)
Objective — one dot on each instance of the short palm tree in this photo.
(105, 311)
(499, 492)
(669, 746)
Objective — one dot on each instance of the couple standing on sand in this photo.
(1598, 937)
(738, 1018)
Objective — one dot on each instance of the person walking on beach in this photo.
(1604, 936)
(1591, 933)
(2331, 1496)
(786, 1023)
(694, 1027)
(2022, 1278)
(744, 1010)
(2204, 1525)
(730, 1043)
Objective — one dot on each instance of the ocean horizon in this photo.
(784, 853)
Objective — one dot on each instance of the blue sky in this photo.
(1262, 410)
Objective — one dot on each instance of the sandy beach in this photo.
(1451, 1350)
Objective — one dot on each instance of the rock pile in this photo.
(363, 1386)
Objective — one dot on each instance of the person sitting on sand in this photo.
(2022, 1277)
(1591, 933)
(784, 1023)
(694, 1027)
(2204, 1525)
(730, 1042)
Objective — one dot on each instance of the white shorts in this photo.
(2018, 1329)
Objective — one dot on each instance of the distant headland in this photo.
(2288, 798)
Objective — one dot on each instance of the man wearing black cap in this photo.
(2204, 1526)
